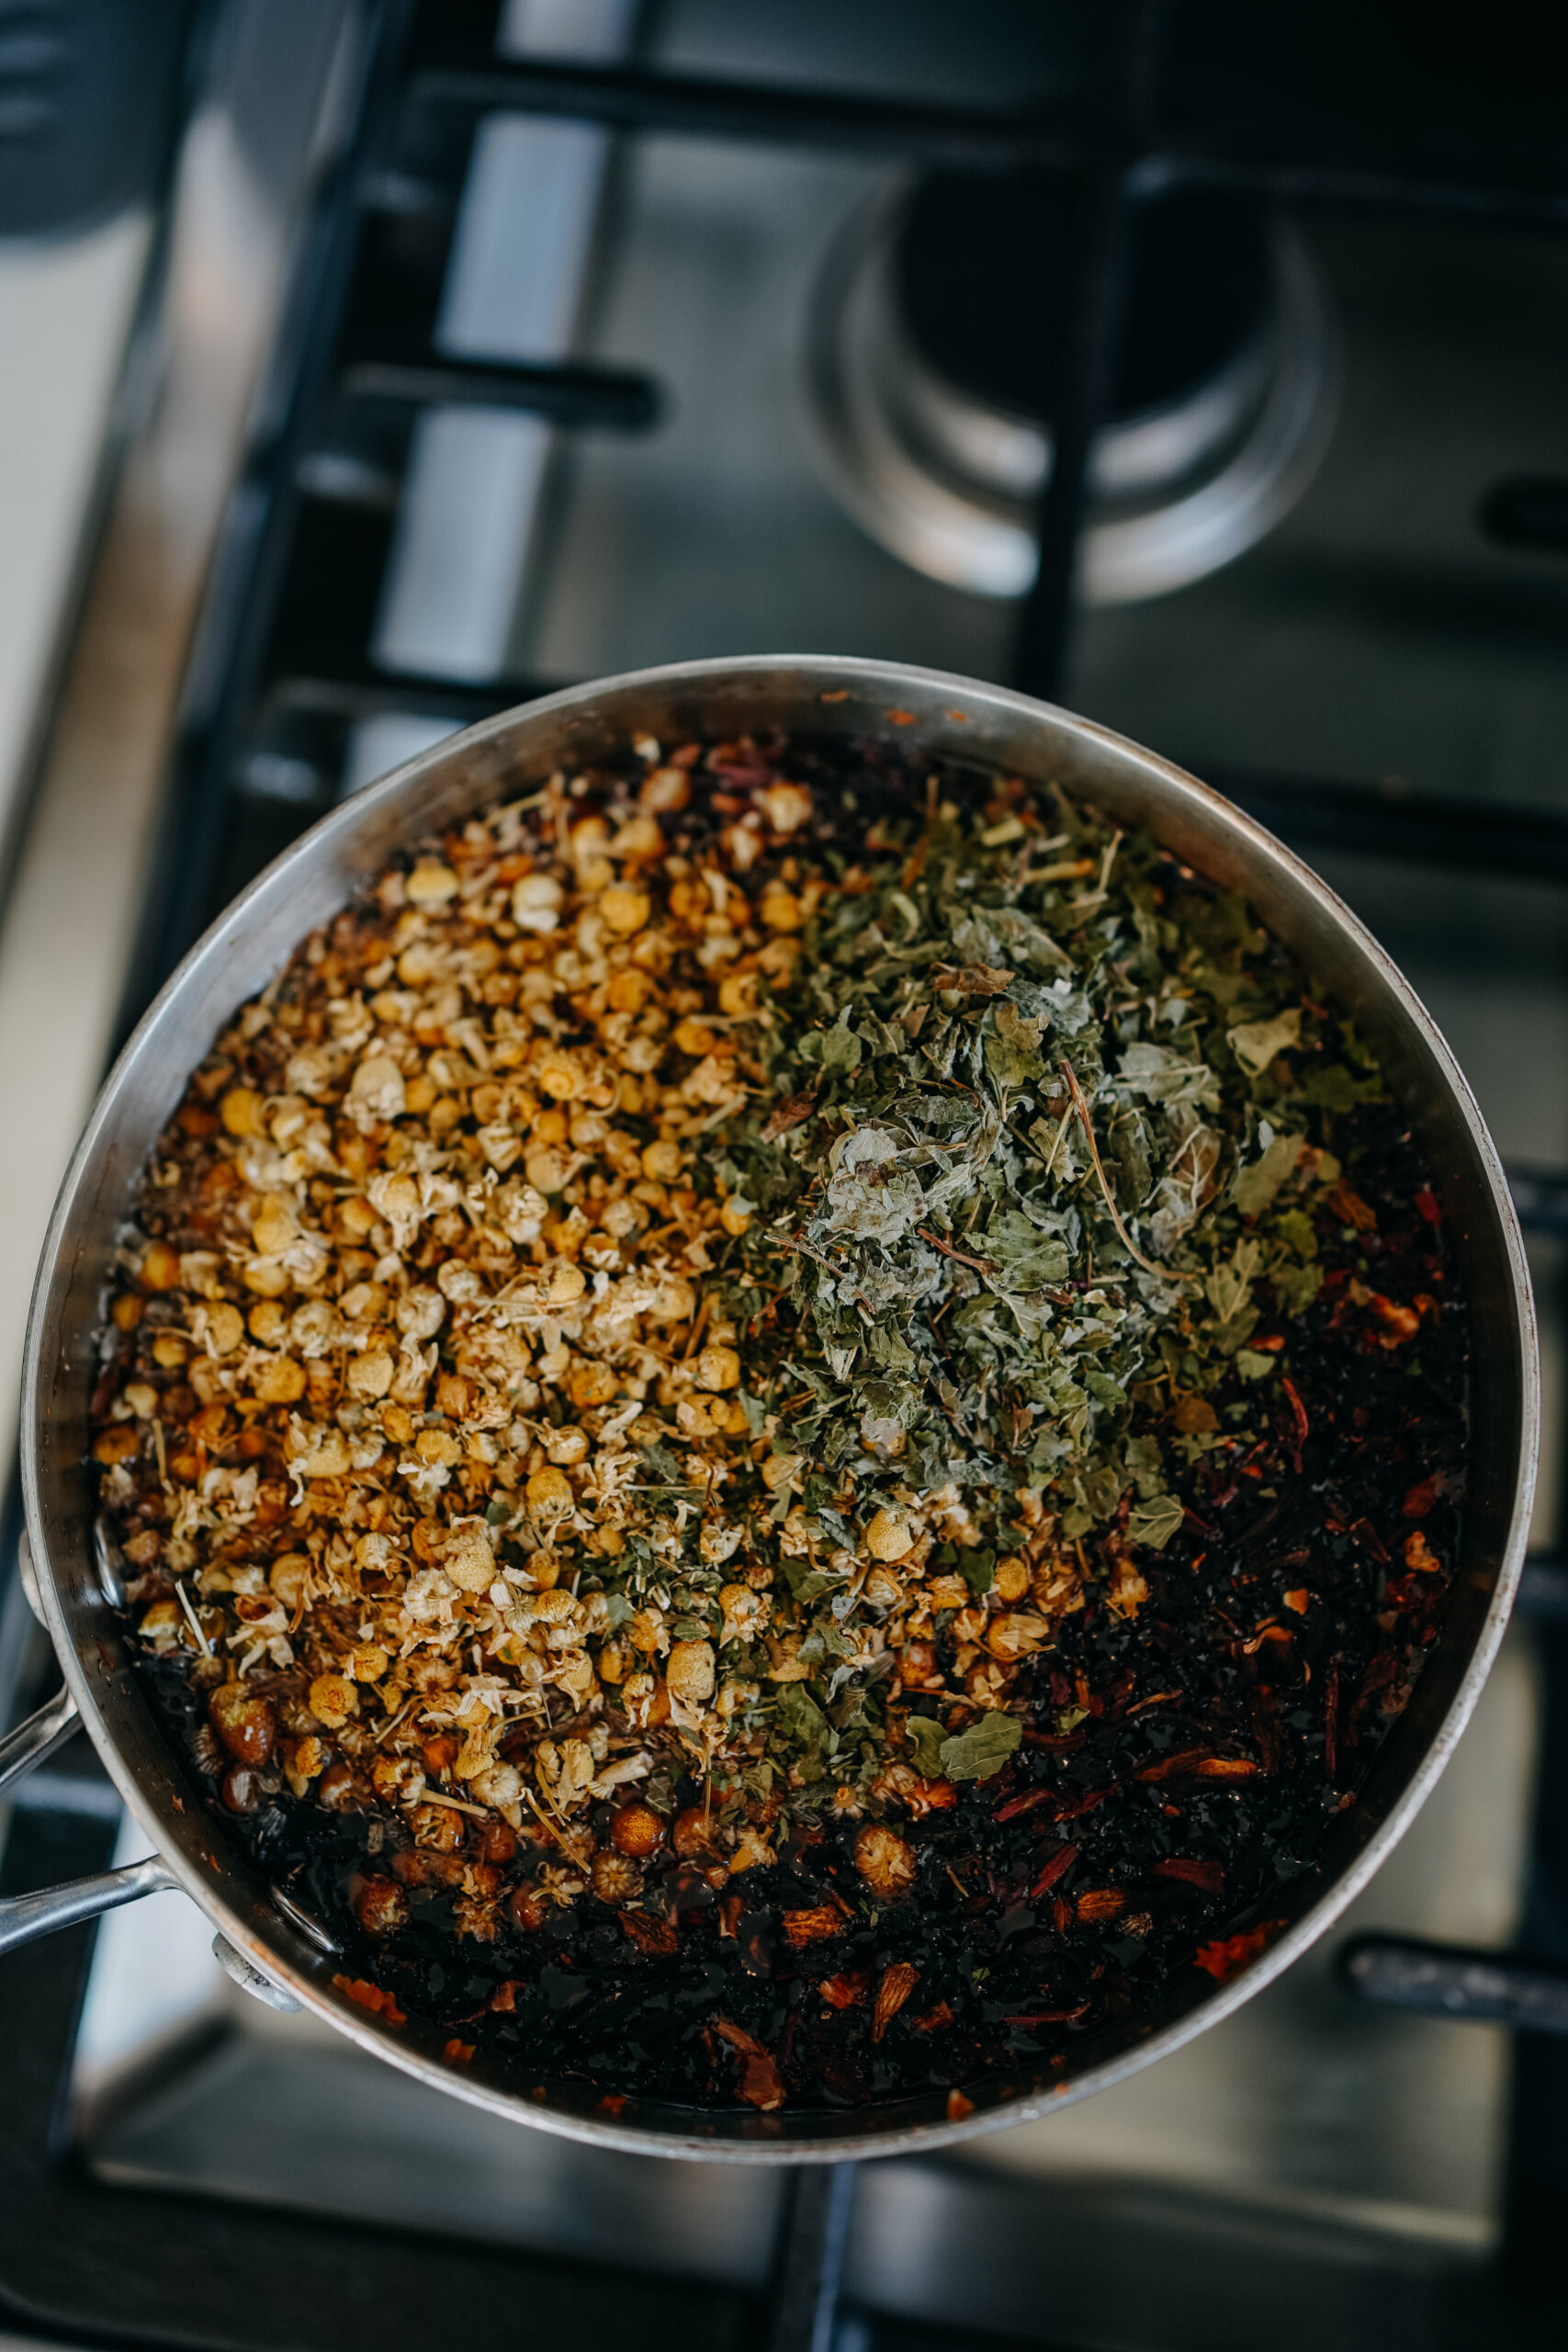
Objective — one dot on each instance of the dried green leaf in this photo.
(1257, 1183)
(1155, 1522)
(925, 1737)
(982, 1748)
(1256, 1043)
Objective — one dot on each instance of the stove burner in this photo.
(933, 382)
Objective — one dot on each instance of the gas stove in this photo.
(483, 349)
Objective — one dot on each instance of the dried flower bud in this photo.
(625, 910)
(535, 903)
(1011, 1578)
(549, 1493)
(332, 1699)
(468, 1560)
(889, 1534)
(636, 1829)
(718, 1368)
(380, 1906)
(886, 1862)
(615, 1878)
(689, 1673)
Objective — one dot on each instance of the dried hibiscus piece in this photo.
(760, 2083)
(815, 1926)
(1058, 1866)
(1301, 1425)
(844, 1991)
(1196, 1871)
(360, 1990)
(1026, 1802)
(897, 1982)
(659, 1937)
(1075, 1808)
(1198, 1764)
(1223, 1959)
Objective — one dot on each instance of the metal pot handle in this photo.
(23, 1917)
(38, 1737)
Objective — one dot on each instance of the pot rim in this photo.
(312, 1988)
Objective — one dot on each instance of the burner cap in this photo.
(980, 269)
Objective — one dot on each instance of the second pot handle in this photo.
(38, 1737)
(23, 1917)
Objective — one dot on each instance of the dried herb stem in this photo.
(1164, 1273)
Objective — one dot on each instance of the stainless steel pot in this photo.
(260, 1937)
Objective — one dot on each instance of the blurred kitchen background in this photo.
(368, 366)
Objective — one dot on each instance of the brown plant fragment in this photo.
(1050, 2017)
(974, 979)
(761, 2084)
(1227, 1955)
(366, 1996)
(1058, 1866)
(792, 1111)
(897, 1982)
(1350, 1209)
(1198, 1764)
(815, 1926)
(1419, 1555)
(846, 1990)
(659, 1937)
(381, 1906)
(1208, 1875)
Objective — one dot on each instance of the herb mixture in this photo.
(782, 1426)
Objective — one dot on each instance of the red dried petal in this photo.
(1223, 1959)
(1058, 1866)
(1198, 1764)
(1208, 1875)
